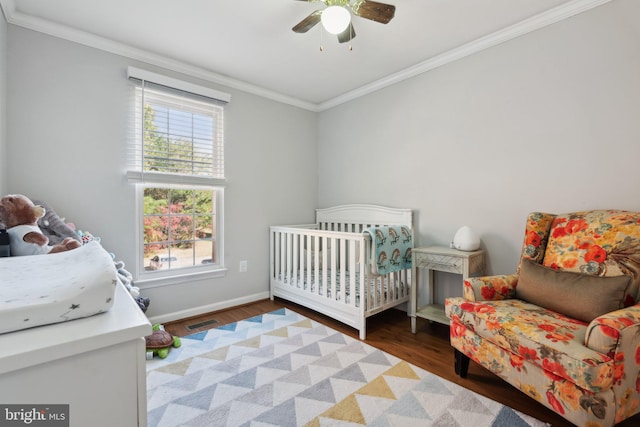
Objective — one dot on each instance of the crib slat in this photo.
(364, 280)
(394, 287)
(323, 285)
(301, 259)
(376, 291)
(280, 262)
(310, 250)
(294, 260)
(352, 273)
(275, 247)
(273, 255)
(342, 267)
(386, 288)
(317, 279)
(289, 274)
(365, 284)
(403, 284)
(333, 268)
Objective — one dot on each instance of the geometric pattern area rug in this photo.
(283, 369)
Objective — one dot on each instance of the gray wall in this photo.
(545, 122)
(68, 107)
(3, 102)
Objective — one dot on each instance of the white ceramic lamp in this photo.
(466, 239)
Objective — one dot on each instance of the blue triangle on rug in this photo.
(256, 319)
(283, 369)
(228, 327)
(197, 336)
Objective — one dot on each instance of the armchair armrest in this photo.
(605, 333)
(490, 288)
(617, 334)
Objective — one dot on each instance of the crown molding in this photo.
(82, 37)
(534, 23)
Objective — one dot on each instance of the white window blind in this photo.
(179, 131)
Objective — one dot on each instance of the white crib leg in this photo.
(363, 331)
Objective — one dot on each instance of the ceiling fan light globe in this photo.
(335, 19)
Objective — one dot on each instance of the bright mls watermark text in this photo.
(34, 415)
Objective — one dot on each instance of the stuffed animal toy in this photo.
(54, 227)
(20, 215)
(160, 342)
(126, 279)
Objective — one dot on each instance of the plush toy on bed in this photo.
(20, 215)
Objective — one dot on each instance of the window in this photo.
(179, 228)
(176, 160)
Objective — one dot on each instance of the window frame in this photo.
(144, 179)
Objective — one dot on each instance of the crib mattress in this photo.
(43, 289)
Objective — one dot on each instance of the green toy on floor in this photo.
(160, 342)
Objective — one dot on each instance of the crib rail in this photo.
(333, 265)
(320, 262)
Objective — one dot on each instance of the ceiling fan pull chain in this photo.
(321, 47)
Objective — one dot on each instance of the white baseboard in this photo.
(196, 311)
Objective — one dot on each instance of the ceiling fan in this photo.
(336, 16)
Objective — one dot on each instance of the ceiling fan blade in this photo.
(307, 23)
(375, 11)
(347, 35)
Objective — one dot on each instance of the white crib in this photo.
(327, 266)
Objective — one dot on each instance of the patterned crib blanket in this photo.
(392, 249)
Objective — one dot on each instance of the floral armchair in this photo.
(565, 328)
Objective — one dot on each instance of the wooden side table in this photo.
(439, 258)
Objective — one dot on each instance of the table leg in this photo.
(413, 301)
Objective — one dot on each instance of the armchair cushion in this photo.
(580, 296)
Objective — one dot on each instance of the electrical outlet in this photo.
(243, 266)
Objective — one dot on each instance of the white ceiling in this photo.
(249, 44)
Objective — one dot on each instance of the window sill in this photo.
(179, 278)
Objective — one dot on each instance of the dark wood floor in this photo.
(390, 331)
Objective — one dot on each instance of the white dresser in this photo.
(96, 365)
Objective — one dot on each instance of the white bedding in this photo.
(42, 289)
